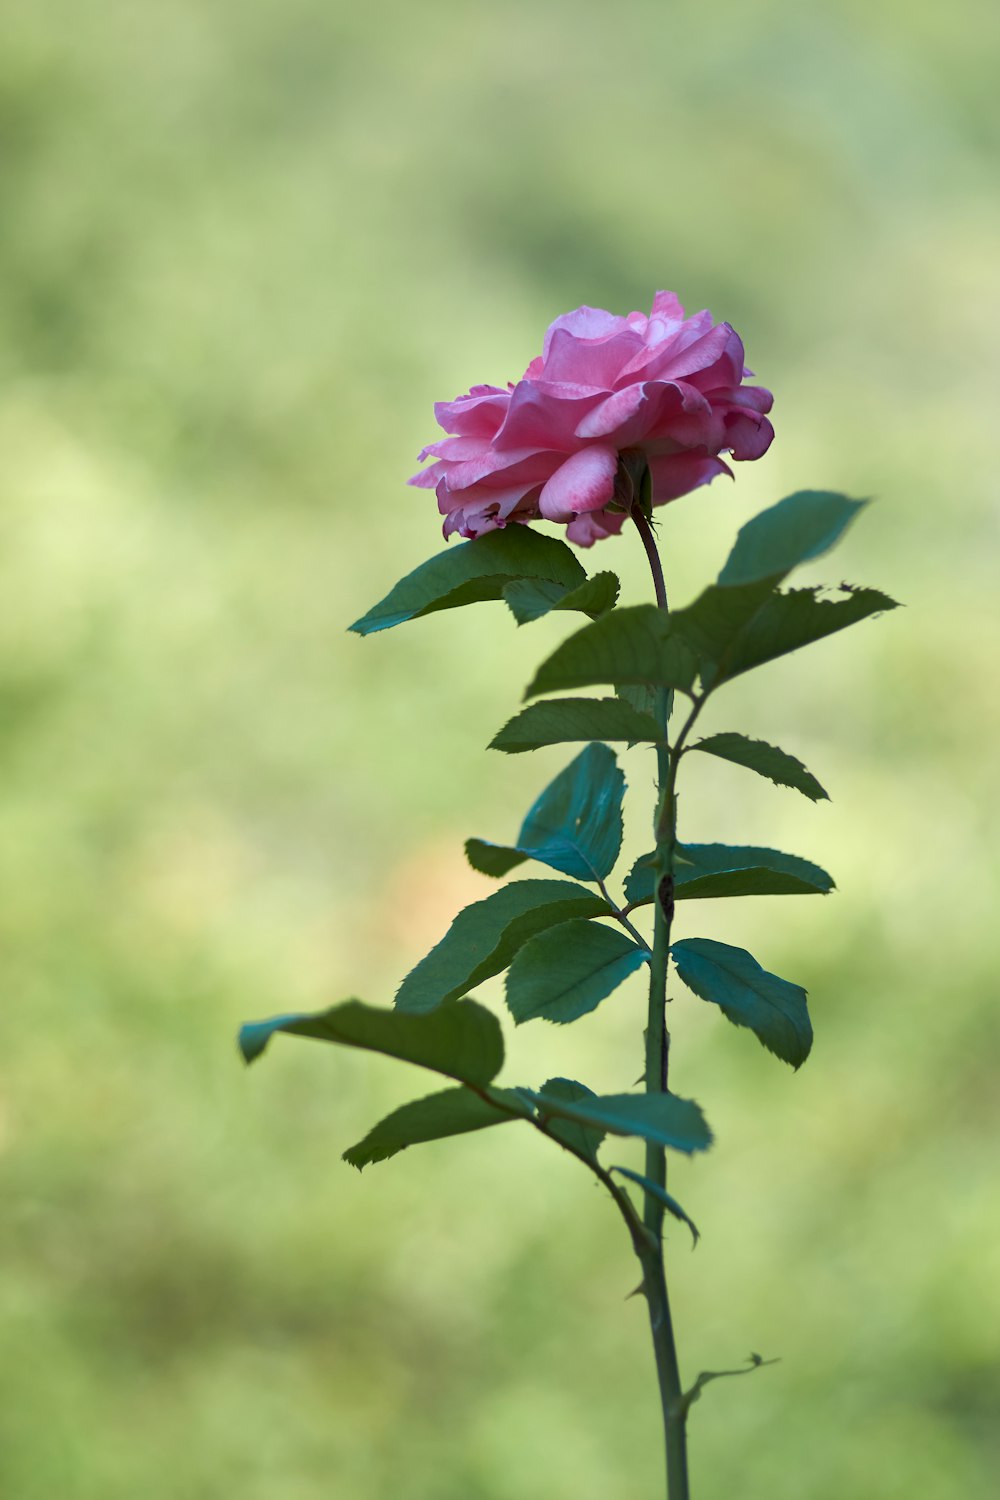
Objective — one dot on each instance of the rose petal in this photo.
(586, 481)
(676, 474)
(748, 435)
(595, 362)
(585, 323)
(478, 414)
(593, 526)
(541, 415)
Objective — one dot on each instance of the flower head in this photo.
(666, 387)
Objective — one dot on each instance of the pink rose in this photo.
(666, 386)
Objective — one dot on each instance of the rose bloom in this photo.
(666, 388)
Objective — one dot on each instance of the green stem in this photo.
(657, 1074)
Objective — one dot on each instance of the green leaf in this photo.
(642, 698)
(772, 1008)
(663, 1119)
(575, 826)
(557, 721)
(767, 760)
(460, 1039)
(729, 870)
(628, 646)
(788, 621)
(580, 1138)
(795, 530)
(493, 859)
(567, 971)
(474, 571)
(529, 599)
(669, 1203)
(484, 937)
(451, 1112)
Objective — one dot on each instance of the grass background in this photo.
(243, 249)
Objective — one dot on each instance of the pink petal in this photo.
(677, 474)
(612, 413)
(586, 481)
(667, 308)
(683, 356)
(545, 416)
(584, 323)
(752, 397)
(427, 479)
(527, 464)
(594, 362)
(478, 414)
(748, 435)
(593, 526)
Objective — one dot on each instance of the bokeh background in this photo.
(244, 246)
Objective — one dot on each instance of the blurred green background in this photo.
(243, 249)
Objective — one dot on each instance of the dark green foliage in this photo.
(773, 1009)
(643, 699)
(460, 1039)
(474, 571)
(663, 1119)
(451, 1112)
(767, 760)
(729, 870)
(483, 938)
(795, 530)
(575, 826)
(567, 971)
(630, 646)
(670, 1203)
(560, 720)
(785, 622)
(583, 1139)
(529, 599)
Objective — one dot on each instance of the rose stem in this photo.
(657, 1063)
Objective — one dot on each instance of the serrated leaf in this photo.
(670, 1203)
(559, 721)
(640, 696)
(767, 760)
(664, 1119)
(703, 870)
(451, 1112)
(575, 826)
(483, 938)
(628, 646)
(797, 529)
(530, 599)
(567, 971)
(472, 572)
(773, 1009)
(786, 622)
(460, 1039)
(580, 1138)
